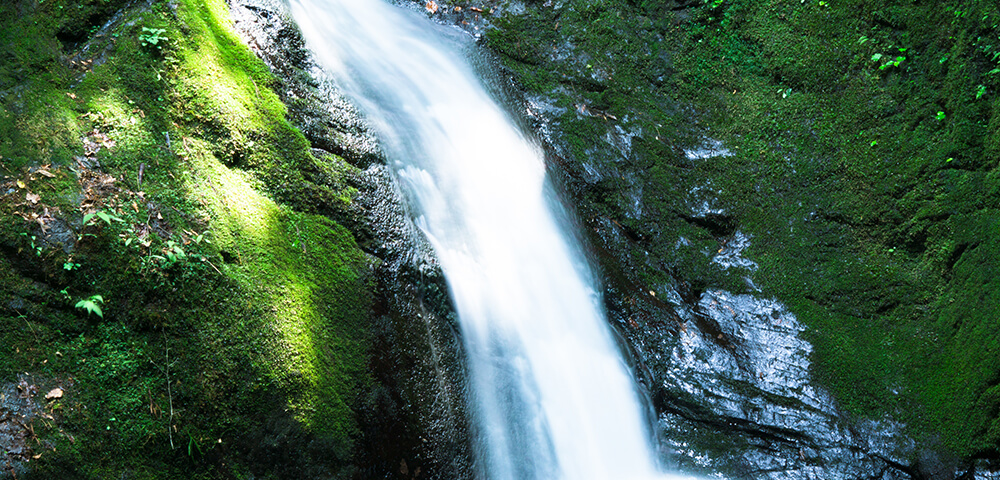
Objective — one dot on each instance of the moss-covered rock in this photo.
(858, 152)
(164, 254)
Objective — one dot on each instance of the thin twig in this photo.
(255, 91)
(170, 395)
(25, 317)
(299, 233)
(211, 265)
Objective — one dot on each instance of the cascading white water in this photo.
(552, 396)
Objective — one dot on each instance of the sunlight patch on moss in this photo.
(227, 82)
(260, 234)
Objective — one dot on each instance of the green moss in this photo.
(867, 208)
(865, 185)
(226, 294)
(308, 269)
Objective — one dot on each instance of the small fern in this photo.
(90, 305)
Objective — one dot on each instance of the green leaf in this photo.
(90, 306)
(109, 218)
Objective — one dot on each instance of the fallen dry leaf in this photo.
(32, 197)
(431, 6)
(20, 184)
(54, 394)
(47, 173)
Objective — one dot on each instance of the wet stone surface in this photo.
(728, 374)
(752, 379)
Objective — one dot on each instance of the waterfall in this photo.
(552, 397)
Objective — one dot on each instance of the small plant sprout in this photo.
(88, 219)
(980, 91)
(152, 36)
(174, 252)
(940, 116)
(891, 62)
(197, 238)
(71, 266)
(90, 305)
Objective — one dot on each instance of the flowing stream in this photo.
(552, 397)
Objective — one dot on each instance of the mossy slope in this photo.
(233, 340)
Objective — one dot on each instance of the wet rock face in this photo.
(729, 373)
(418, 351)
(751, 380)
(315, 106)
(415, 424)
